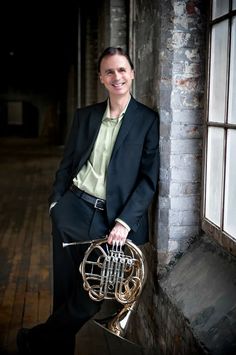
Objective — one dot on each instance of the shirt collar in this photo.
(107, 114)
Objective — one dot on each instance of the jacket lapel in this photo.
(90, 134)
(128, 122)
(94, 122)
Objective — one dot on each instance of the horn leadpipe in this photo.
(64, 244)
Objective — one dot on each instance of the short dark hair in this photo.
(112, 51)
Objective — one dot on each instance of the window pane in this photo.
(214, 174)
(230, 185)
(218, 71)
(234, 4)
(219, 8)
(232, 83)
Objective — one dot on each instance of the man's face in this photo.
(116, 74)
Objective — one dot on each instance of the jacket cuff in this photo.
(123, 224)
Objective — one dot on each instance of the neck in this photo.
(117, 105)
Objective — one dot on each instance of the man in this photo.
(103, 187)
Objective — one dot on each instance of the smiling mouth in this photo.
(118, 85)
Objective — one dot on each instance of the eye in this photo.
(109, 72)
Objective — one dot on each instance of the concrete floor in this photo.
(27, 169)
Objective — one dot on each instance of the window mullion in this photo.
(223, 180)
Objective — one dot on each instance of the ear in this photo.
(100, 77)
(132, 74)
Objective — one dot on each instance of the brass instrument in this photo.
(114, 272)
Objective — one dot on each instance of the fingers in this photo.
(117, 243)
(118, 235)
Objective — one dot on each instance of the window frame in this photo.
(217, 233)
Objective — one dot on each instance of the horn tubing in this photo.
(124, 269)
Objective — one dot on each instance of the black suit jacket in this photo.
(133, 169)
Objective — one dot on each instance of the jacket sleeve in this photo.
(64, 172)
(142, 195)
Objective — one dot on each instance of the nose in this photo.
(116, 75)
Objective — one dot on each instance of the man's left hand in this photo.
(118, 234)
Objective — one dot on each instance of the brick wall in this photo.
(170, 55)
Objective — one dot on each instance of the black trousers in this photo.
(73, 219)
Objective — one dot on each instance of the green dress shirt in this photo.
(92, 177)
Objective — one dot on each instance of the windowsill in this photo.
(224, 240)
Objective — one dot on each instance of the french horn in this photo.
(114, 272)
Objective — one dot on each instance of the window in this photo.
(219, 202)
